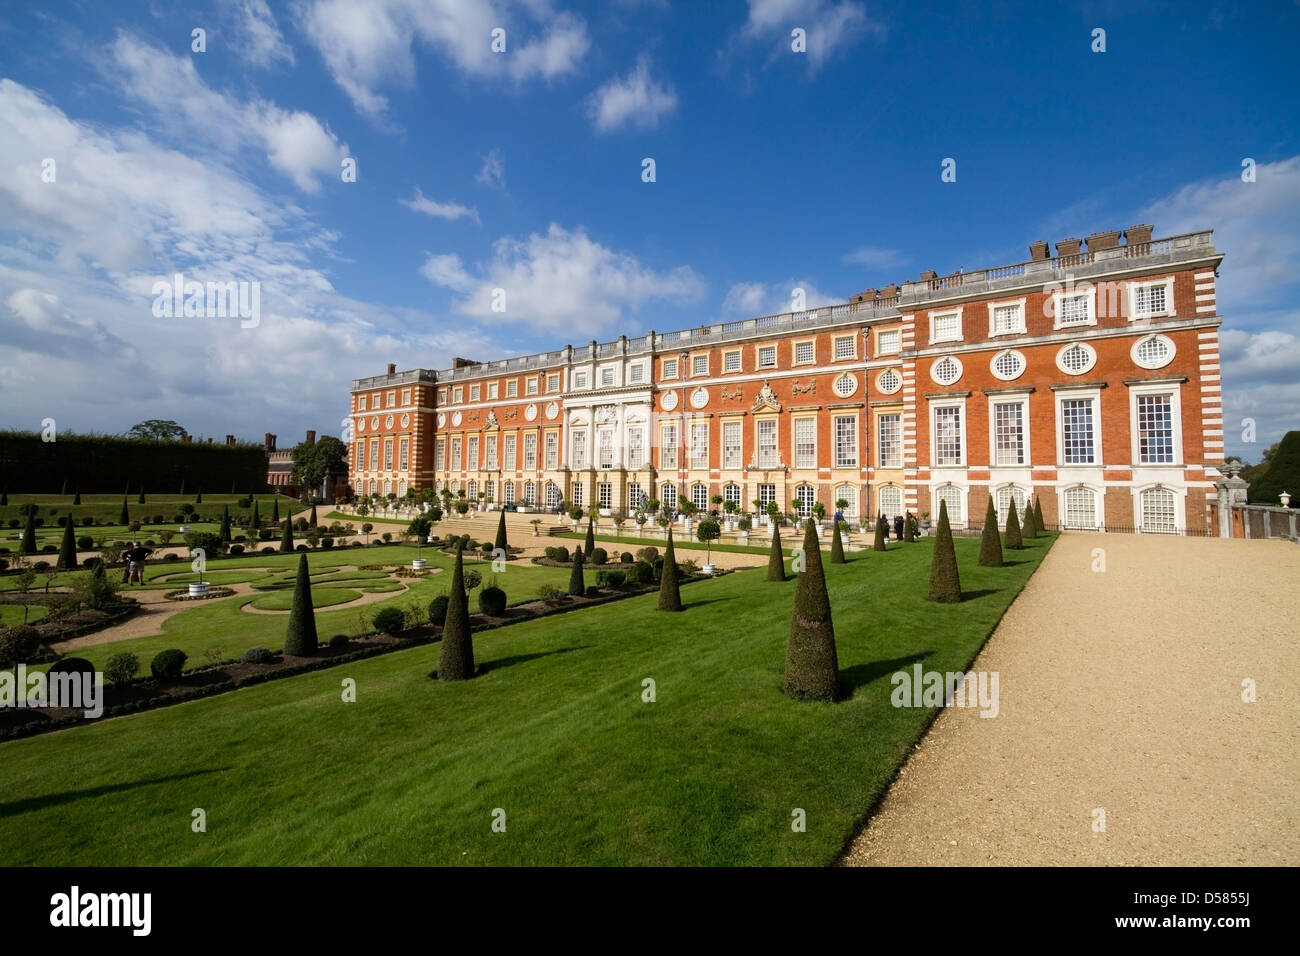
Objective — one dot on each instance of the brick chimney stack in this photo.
(269, 442)
(1103, 240)
(230, 439)
(1136, 235)
(392, 368)
(1068, 247)
(311, 437)
(1039, 250)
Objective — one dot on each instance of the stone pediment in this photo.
(766, 399)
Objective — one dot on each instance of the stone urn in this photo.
(419, 564)
(199, 588)
(708, 569)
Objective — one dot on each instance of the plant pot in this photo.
(199, 589)
(708, 569)
(418, 564)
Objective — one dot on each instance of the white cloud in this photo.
(636, 99)
(493, 171)
(752, 299)
(870, 257)
(561, 281)
(438, 210)
(258, 33)
(830, 28)
(296, 142)
(368, 46)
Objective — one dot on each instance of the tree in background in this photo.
(286, 537)
(157, 429)
(124, 516)
(577, 587)
(68, 550)
(314, 462)
(225, 522)
(1282, 473)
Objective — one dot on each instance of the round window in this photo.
(1154, 351)
(1076, 359)
(845, 385)
(889, 382)
(1007, 365)
(406, 420)
(947, 370)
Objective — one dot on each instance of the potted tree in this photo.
(689, 511)
(419, 529)
(716, 501)
(640, 519)
(536, 523)
(618, 524)
(708, 531)
(925, 521)
(575, 515)
(745, 524)
(819, 512)
(482, 501)
(730, 507)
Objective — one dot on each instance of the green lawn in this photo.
(222, 624)
(554, 732)
(13, 614)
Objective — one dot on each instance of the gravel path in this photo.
(1120, 691)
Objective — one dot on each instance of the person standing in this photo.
(136, 556)
(898, 527)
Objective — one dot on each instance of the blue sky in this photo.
(522, 170)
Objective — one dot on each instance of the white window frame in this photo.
(835, 348)
(580, 378)
(1168, 311)
(838, 459)
(898, 374)
(881, 460)
(1176, 420)
(474, 392)
(457, 395)
(700, 496)
(1098, 522)
(726, 362)
(471, 449)
(552, 383)
(530, 453)
(636, 372)
(736, 427)
(803, 343)
(765, 464)
(945, 314)
(993, 365)
(1090, 291)
(512, 388)
(608, 376)
(361, 403)
(1060, 355)
(961, 370)
(530, 385)
(1086, 394)
(758, 356)
(962, 423)
(699, 454)
(806, 460)
(1020, 325)
(509, 450)
(963, 495)
(695, 362)
(669, 368)
(880, 504)
(492, 391)
(1133, 351)
(1023, 402)
(896, 334)
(1179, 515)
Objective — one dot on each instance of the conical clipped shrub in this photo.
(4, 498)
(124, 516)
(311, 521)
(837, 545)
(140, 500)
(29, 533)
(254, 519)
(286, 537)
(1029, 527)
(76, 499)
(909, 529)
(882, 535)
(300, 639)
(590, 542)
(812, 669)
(225, 523)
(275, 510)
(456, 655)
(945, 581)
(990, 542)
(1038, 514)
(501, 543)
(577, 587)
(182, 491)
(68, 549)
(198, 498)
(64, 489)
(1014, 541)
(776, 558)
(670, 594)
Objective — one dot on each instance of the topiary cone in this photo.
(812, 670)
(1014, 541)
(68, 549)
(670, 594)
(456, 655)
(254, 519)
(300, 639)
(1038, 515)
(945, 581)
(590, 542)
(286, 537)
(576, 586)
(882, 535)
(29, 533)
(225, 522)
(1029, 527)
(275, 510)
(501, 542)
(124, 516)
(776, 559)
(76, 499)
(990, 542)
(837, 545)
(311, 522)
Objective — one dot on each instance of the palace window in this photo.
(606, 377)
(1150, 299)
(552, 451)
(530, 386)
(804, 353)
(767, 356)
(636, 373)
(846, 347)
(530, 491)
(767, 444)
(700, 496)
(1009, 433)
(473, 452)
(374, 454)
(403, 454)
(605, 448)
(1078, 438)
(670, 368)
(805, 443)
(635, 448)
(668, 447)
(492, 390)
(388, 454)
(948, 436)
(846, 441)
(512, 388)
(945, 326)
(576, 495)
(731, 361)
(1073, 309)
(953, 497)
(668, 496)
(1007, 318)
(530, 452)
(510, 492)
(1002, 501)
(890, 437)
(889, 500)
(361, 403)
(889, 342)
(1155, 429)
(553, 495)
(1158, 511)
(490, 453)
(510, 445)
(578, 456)
(552, 383)
(766, 496)
(635, 496)
(474, 392)
(804, 497)
(605, 494)
(580, 379)
(455, 454)
(731, 450)
(700, 365)
(1081, 509)
(699, 445)
(406, 396)
(731, 492)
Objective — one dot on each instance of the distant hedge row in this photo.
(98, 464)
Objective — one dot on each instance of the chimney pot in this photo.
(311, 437)
(392, 368)
(928, 274)
(1039, 250)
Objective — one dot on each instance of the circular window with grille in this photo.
(361, 424)
(889, 382)
(1076, 359)
(388, 422)
(1007, 365)
(1154, 351)
(845, 385)
(947, 370)
(406, 420)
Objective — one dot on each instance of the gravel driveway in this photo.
(1120, 692)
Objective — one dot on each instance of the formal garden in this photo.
(685, 719)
